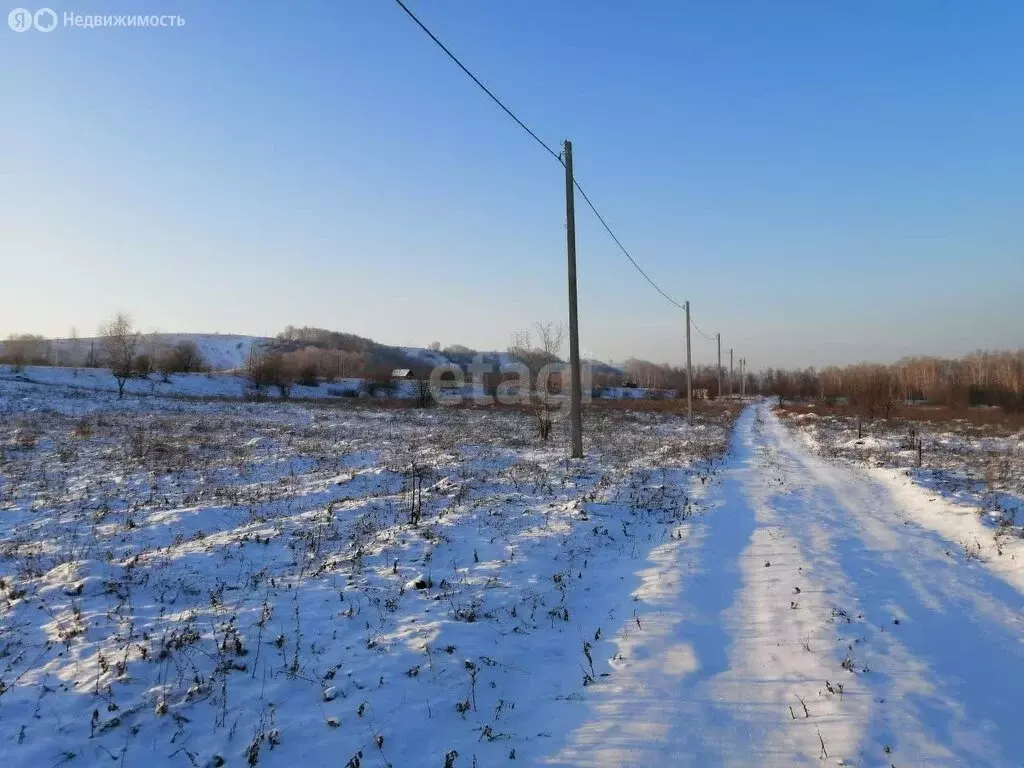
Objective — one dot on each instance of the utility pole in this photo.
(689, 369)
(743, 378)
(719, 337)
(576, 385)
(730, 373)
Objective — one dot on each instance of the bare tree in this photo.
(551, 337)
(535, 354)
(24, 349)
(120, 341)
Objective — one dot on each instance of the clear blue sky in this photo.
(825, 181)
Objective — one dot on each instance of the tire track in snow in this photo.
(655, 708)
(710, 677)
(936, 641)
(915, 657)
(784, 678)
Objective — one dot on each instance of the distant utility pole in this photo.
(730, 373)
(743, 378)
(719, 337)
(576, 385)
(689, 369)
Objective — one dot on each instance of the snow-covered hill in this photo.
(226, 352)
(220, 350)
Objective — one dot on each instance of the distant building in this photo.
(402, 373)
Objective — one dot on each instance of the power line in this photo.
(623, 248)
(548, 149)
(474, 78)
(709, 338)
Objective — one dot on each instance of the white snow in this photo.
(277, 584)
(199, 385)
(802, 621)
(227, 581)
(949, 498)
(233, 385)
(220, 351)
(959, 523)
(426, 356)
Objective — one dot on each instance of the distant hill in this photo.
(226, 352)
(221, 351)
(377, 356)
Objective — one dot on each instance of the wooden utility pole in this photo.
(730, 373)
(576, 385)
(689, 369)
(743, 378)
(719, 337)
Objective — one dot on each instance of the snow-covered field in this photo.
(223, 384)
(208, 583)
(972, 473)
(195, 582)
(208, 385)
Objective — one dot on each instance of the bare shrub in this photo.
(271, 370)
(424, 395)
(542, 416)
(142, 365)
(183, 357)
(380, 382)
(307, 376)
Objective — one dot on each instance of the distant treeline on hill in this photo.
(340, 354)
(985, 378)
(311, 355)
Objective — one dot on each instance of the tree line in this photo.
(984, 378)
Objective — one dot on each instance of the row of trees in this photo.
(268, 369)
(21, 349)
(994, 378)
(649, 375)
(120, 347)
(310, 355)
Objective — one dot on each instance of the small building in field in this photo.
(404, 374)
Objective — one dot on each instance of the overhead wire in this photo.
(547, 148)
(698, 330)
(476, 80)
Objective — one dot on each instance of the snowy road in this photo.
(805, 619)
